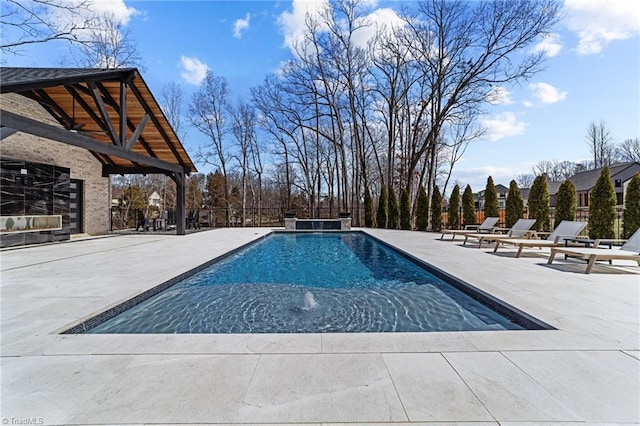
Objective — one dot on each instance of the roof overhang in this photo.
(110, 112)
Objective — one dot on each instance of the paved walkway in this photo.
(588, 370)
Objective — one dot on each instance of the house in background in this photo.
(155, 200)
(553, 188)
(621, 174)
(502, 191)
(116, 195)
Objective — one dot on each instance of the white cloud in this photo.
(193, 71)
(527, 104)
(240, 25)
(502, 126)
(379, 18)
(546, 93)
(599, 22)
(292, 22)
(499, 96)
(369, 3)
(550, 44)
(117, 9)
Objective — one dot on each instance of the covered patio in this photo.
(109, 112)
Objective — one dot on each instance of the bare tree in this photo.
(258, 168)
(454, 146)
(40, 21)
(525, 180)
(464, 49)
(280, 118)
(402, 111)
(171, 101)
(600, 144)
(556, 171)
(629, 150)
(208, 113)
(395, 75)
(109, 45)
(243, 128)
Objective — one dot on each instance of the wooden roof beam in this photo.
(116, 170)
(97, 98)
(110, 101)
(86, 107)
(144, 104)
(136, 133)
(59, 114)
(37, 128)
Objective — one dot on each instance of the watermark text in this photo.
(22, 420)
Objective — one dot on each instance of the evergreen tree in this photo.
(602, 207)
(216, 200)
(468, 207)
(134, 202)
(194, 191)
(539, 204)
(454, 208)
(632, 207)
(436, 209)
(405, 209)
(422, 210)
(491, 206)
(368, 209)
(381, 215)
(566, 203)
(394, 213)
(514, 204)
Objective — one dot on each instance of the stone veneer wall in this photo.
(83, 165)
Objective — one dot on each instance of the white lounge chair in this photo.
(518, 230)
(486, 227)
(628, 251)
(565, 229)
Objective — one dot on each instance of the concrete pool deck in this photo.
(588, 370)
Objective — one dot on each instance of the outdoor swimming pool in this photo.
(314, 283)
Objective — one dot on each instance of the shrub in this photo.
(468, 207)
(394, 214)
(602, 207)
(368, 209)
(381, 215)
(422, 210)
(539, 204)
(405, 209)
(454, 208)
(513, 206)
(632, 207)
(436, 209)
(566, 203)
(491, 206)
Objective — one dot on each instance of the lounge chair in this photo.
(486, 227)
(518, 230)
(566, 229)
(629, 251)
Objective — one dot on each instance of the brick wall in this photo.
(83, 164)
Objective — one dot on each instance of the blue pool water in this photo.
(308, 283)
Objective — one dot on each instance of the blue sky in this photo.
(592, 72)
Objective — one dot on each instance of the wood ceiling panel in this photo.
(83, 114)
